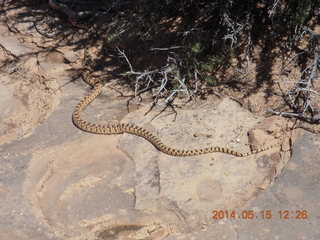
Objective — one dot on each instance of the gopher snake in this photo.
(119, 128)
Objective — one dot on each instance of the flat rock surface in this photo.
(293, 202)
(76, 185)
(15, 47)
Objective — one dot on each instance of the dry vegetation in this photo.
(189, 49)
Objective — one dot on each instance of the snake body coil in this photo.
(120, 128)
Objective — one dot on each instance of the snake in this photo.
(73, 17)
(111, 128)
(120, 128)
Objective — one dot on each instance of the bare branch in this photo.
(274, 8)
(159, 79)
(166, 49)
(234, 29)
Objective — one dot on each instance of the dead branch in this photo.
(158, 79)
(301, 94)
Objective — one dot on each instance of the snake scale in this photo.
(119, 128)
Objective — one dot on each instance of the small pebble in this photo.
(71, 56)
